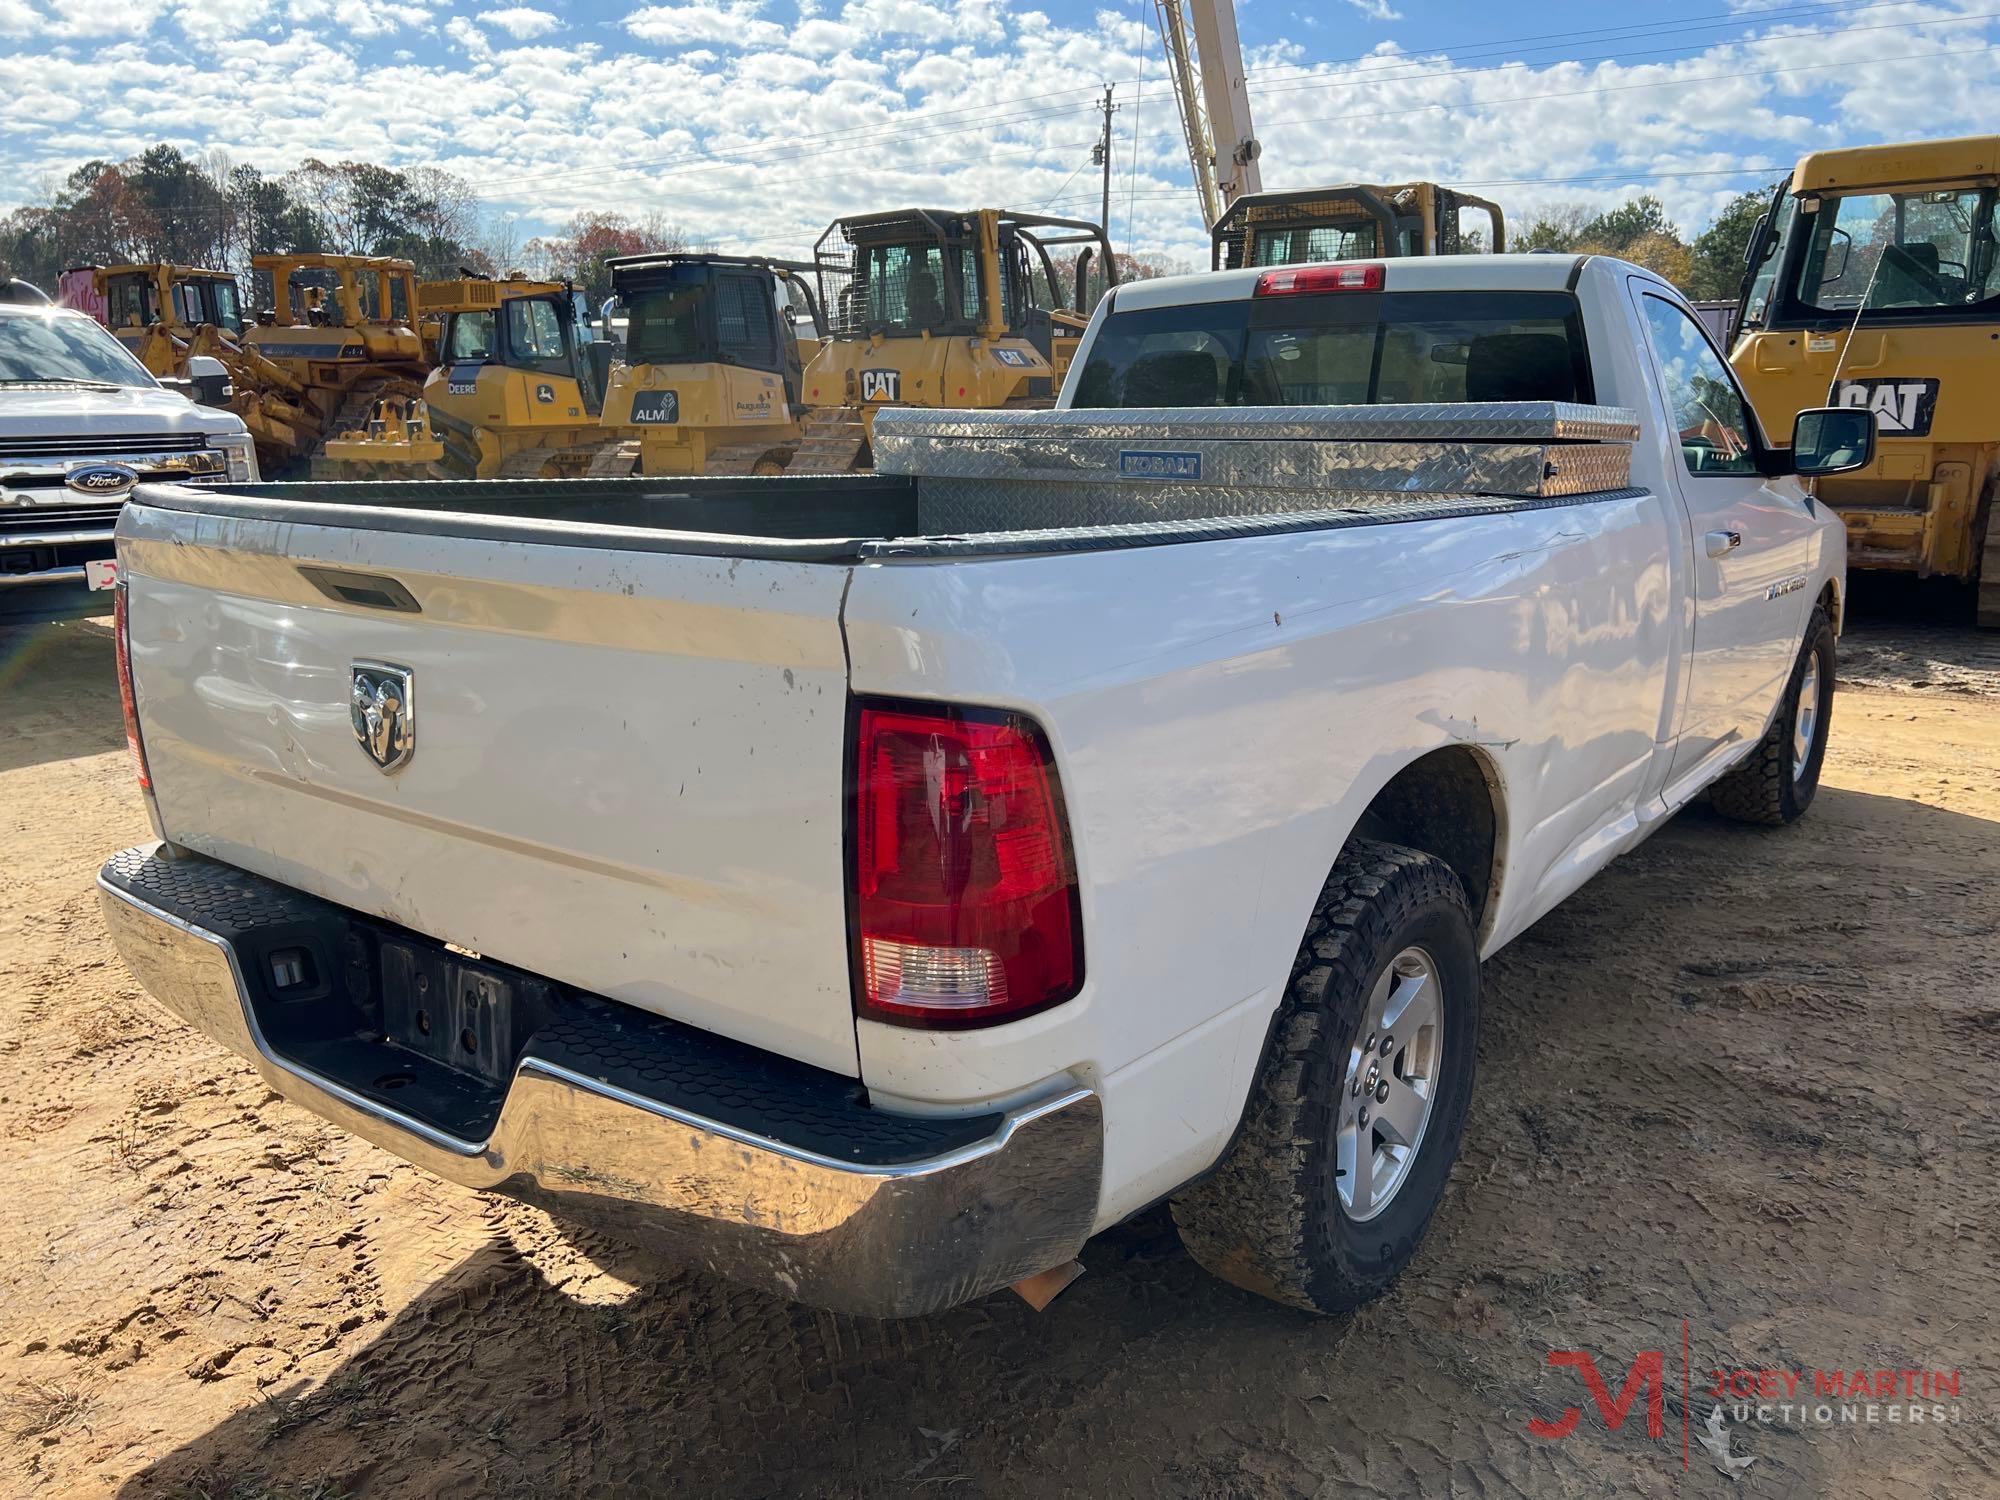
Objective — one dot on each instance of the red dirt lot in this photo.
(1741, 1083)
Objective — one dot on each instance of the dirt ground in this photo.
(1742, 1080)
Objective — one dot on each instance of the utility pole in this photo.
(1101, 154)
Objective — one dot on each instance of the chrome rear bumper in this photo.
(878, 1226)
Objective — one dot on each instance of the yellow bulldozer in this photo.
(162, 313)
(937, 308)
(517, 392)
(168, 316)
(1350, 221)
(1874, 281)
(707, 382)
(713, 363)
(338, 336)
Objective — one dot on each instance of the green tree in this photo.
(181, 206)
(1558, 228)
(1616, 228)
(1719, 250)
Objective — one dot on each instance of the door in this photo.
(1751, 539)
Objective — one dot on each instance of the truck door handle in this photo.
(1720, 542)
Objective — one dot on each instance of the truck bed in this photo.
(996, 483)
(631, 697)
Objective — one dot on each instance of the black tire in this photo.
(1270, 1218)
(1762, 787)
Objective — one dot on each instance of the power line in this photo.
(1624, 88)
(1638, 31)
(849, 137)
(1418, 74)
(1497, 182)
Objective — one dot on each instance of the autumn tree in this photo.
(1637, 230)
(593, 237)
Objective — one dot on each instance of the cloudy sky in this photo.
(754, 122)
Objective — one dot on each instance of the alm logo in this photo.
(1903, 408)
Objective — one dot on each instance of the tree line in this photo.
(164, 205)
(1707, 268)
(205, 211)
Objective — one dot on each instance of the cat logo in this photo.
(1903, 408)
(881, 385)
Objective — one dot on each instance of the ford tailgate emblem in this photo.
(101, 481)
(383, 707)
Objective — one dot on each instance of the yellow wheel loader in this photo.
(1874, 281)
(713, 363)
(929, 307)
(1350, 221)
(339, 336)
(518, 392)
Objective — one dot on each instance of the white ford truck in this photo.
(81, 422)
(871, 887)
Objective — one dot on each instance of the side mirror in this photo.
(210, 380)
(1750, 256)
(1832, 440)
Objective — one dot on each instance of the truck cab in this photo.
(83, 422)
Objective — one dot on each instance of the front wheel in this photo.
(1776, 782)
(1355, 1118)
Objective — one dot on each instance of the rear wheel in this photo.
(1776, 782)
(1355, 1118)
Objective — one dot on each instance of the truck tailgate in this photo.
(625, 768)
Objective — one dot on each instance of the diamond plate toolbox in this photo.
(1009, 469)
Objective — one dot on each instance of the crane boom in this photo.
(1205, 60)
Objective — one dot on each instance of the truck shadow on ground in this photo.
(58, 693)
(1701, 1088)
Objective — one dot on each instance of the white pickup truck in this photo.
(81, 422)
(872, 887)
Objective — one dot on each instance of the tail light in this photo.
(965, 888)
(121, 622)
(1297, 280)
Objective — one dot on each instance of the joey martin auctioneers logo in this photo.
(1714, 1400)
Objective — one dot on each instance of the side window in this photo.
(742, 319)
(128, 301)
(1702, 398)
(533, 330)
(471, 337)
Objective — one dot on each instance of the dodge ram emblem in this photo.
(101, 481)
(384, 712)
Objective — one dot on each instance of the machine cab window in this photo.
(1922, 255)
(130, 301)
(225, 308)
(470, 337)
(743, 328)
(1889, 251)
(535, 335)
(914, 289)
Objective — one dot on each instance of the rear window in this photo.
(1341, 349)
